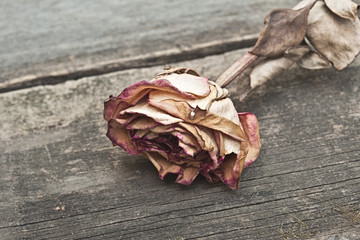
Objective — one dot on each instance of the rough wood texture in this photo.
(60, 178)
(45, 41)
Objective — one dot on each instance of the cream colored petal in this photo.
(200, 117)
(155, 98)
(142, 122)
(187, 138)
(152, 112)
(162, 165)
(188, 83)
(188, 150)
(226, 109)
(210, 142)
(192, 130)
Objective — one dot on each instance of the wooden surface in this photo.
(48, 41)
(60, 177)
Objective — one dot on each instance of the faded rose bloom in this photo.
(185, 125)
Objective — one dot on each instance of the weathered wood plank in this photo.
(45, 41)
(61, 178)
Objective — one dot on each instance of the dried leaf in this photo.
(312, 60)
(284, 28)
(343, 8)
(336, 38)
(268, 69)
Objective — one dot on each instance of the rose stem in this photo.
(236, 69)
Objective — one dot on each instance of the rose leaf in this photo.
(345, 8)
(334, 37)
(267, 69)
(284, 28)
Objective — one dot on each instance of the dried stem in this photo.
(236, 69)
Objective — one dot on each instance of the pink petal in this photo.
(251, 128)
(118, 134)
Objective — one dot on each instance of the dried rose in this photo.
(185, 125)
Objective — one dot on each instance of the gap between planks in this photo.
(152, 59)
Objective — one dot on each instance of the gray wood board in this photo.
(61, 178)
(47, 40)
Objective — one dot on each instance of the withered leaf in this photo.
(343, 8)
(312, 60)
(267, 69)
(284, 28)
(336, 38)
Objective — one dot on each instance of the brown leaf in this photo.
(343, 8)
(284, 28)
(267, 69)
(312, 60)
(336, 38)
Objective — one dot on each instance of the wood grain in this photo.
(47, 41)
(61, 178)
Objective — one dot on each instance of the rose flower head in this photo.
(185, 125)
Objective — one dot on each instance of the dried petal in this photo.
(343, 8)
(230, 170)
(200, 117)
(251, 128)
(155, 98)
(284, 28)
(164, 167)
(187, 83)
(334, 37)
(188, 176)
(120, 136)
(152, 112)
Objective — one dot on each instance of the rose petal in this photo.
(164, 167)
(120, 136)
(155, 98)
(230, 170)
(152, 112)
(200, 117)
(187, 83)
(142, 122)
(210, 145)
(251, 128)
(189, 150)
(188, 176)
(112, 105)
(187, 138)
(226, 109)
(343, 8)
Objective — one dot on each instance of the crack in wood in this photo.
(153, 59)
